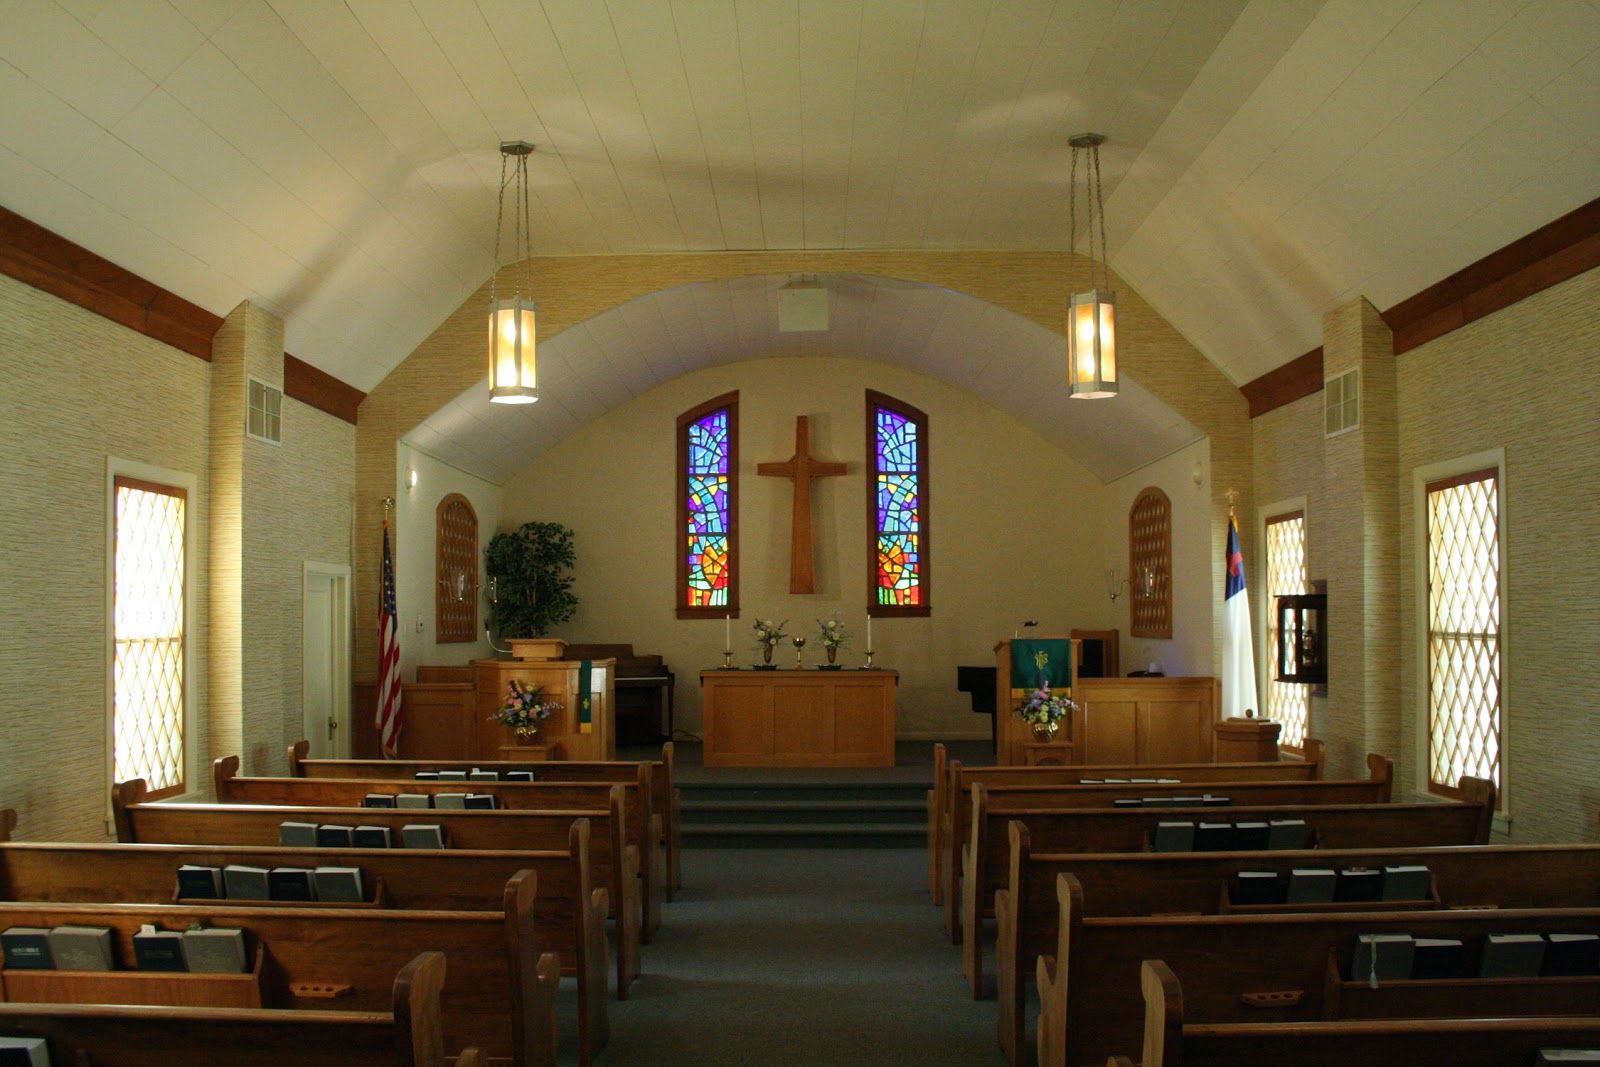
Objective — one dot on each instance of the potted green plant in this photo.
(530, 577)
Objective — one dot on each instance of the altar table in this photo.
(804, 718)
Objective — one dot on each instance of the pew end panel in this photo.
(1057, 1011)
(941, 756)
(533, 976)
(1163, 1014)
(1315, 754)
(223, 770)
(298, 753)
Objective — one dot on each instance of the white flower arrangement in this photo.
(833, 633)
(767, 634)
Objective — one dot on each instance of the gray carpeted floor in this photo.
(792, 956)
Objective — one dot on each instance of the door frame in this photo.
(344, 641)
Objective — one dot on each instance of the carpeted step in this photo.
(805, 835)
(801, 813)
(813, 811)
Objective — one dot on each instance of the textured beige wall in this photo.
(573, 289)
(1015, 529)
(75, 389)
(1524, 379)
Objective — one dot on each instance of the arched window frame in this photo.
(1150, 551)
(728, 402)
(455, 544)
(876, 401)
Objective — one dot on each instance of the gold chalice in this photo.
(799, 643)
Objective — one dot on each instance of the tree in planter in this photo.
(533, 584)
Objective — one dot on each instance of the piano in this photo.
(644, 691)
(980, 682)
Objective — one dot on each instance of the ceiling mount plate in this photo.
(1086, 140)
(516, 148)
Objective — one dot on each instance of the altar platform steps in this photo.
(805, 815)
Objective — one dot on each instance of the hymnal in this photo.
(378, 800)
(1358, 884)
(1438, 957)
(1567, 1055)
(24, 1052)
(1174, 837)
(246, 883)
(1175, 802)
(1168, 781)
(1128, 802)
(297, 834)
(475, 775)
(1142, 781)
(1257, 887)
(339, 884)
(1251, 836)
(450, 801)
(1382, 958)
(199, 883)
(479, 802)
(159, 950)
(1287, 834)
(291, 883)
(427, 776)
(1512, 956)
(1571, 955)
(27, 948)
(452, 776)
(371, 837)
(413, 800)
(1091, 781)
(1407, 882)
(519, 776)
(1211, 801)
(1116, 781)
(214, 951)
(1310, 885)
(1213, 837)
(422, 835)
(331, 836)
(82, 948)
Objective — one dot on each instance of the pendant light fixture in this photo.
(513, 377)
(1091, 315)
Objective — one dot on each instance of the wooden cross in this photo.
(802, 468)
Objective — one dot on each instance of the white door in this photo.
(325, 662)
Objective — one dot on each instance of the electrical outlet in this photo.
(420, 624)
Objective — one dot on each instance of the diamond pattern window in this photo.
(149, 625)
(1287, 703)
(1150, 564)
(897, 531)
(455, 605)
(708, 509)
(1464, 609)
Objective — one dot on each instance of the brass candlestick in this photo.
(727, 659)
(799, 643)
(868, 667)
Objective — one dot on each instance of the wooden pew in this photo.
(986, 859)
(501, 993)
(408, 1035)
(666, 799)
(1170, 1041)
(1267, 968)
(1374, 789)
(637, 824)
(953, 782)
(569, 913)
(612, 863)
(1146, 883)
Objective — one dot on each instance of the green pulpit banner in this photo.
(1035, 662)
(586, 696)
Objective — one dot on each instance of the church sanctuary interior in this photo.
(799, 532)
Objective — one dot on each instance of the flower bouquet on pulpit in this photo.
(1044, 711)
(525, 710)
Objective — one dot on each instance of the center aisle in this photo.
(801, 956)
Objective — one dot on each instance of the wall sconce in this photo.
(494, 590)
(456, 588)
(1114, 584)
(1143, 583)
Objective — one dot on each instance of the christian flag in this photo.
(1238, 658)
(388, 719)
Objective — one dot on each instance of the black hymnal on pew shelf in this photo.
(290, 883)
(209, 950)
(297, 834)
(1571, 955)
(196, 882)
(27, 948)
(1512, 956)
(246, 883)
(24, 1052)
(1310, 885)
(82, 948)
(159, 950)
(480, 802)
(1174, 837)
(1438, 957)
(1287, 834)
(1251, 836)
(1407, 882)
(450, 801)
(341, 885)
(476, 775)
(1548, 1057)
(452, 776)
(1358, 885)
(519, 776)
(413, 800)
(371, 837)
(422, 835)
(426, 776)
(378, 800)
(1382, 958)
(332, 836)
(1213, 837)
(1257, 887)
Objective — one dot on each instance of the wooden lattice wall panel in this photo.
(1150, 564)
(456, 568)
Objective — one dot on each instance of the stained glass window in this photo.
(898, 455)
(708, 475)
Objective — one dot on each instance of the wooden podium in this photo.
(540, 662)
(1012, 735)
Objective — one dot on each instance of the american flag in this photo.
(388, 721)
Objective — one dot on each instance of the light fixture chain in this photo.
(527, 226)
(1072, 213)
(1100, 205)
(499, 218)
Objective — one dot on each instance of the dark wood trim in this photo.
(1157, 555)
(876, 400)
(1298, 378)
(1488, 474)
(34, 255)
(1550, 255)
(321, 390)
(453, 622)
(729, 401)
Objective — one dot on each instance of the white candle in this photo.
(727, 633)
(869, 633)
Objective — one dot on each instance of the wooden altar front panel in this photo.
(799, 718)
(1144, 720)
(492, 678)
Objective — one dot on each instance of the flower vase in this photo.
(527, 735)
(1045, 731)
(766, 652)
(833, 653)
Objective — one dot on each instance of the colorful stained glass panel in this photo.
(899, 520)
(707, 560)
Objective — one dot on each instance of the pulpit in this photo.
(587, 734)
(1020, 665)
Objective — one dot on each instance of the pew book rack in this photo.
(378, 898)
(158, 988)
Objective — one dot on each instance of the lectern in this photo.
(1013, 687)
(543, 662)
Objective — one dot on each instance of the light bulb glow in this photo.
(1092, 345)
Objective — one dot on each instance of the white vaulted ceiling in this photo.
(336, 162)
(1012, 362)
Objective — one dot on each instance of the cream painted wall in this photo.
(414, 578)
(1016, 528)
(76, 389)
(1188, 652)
